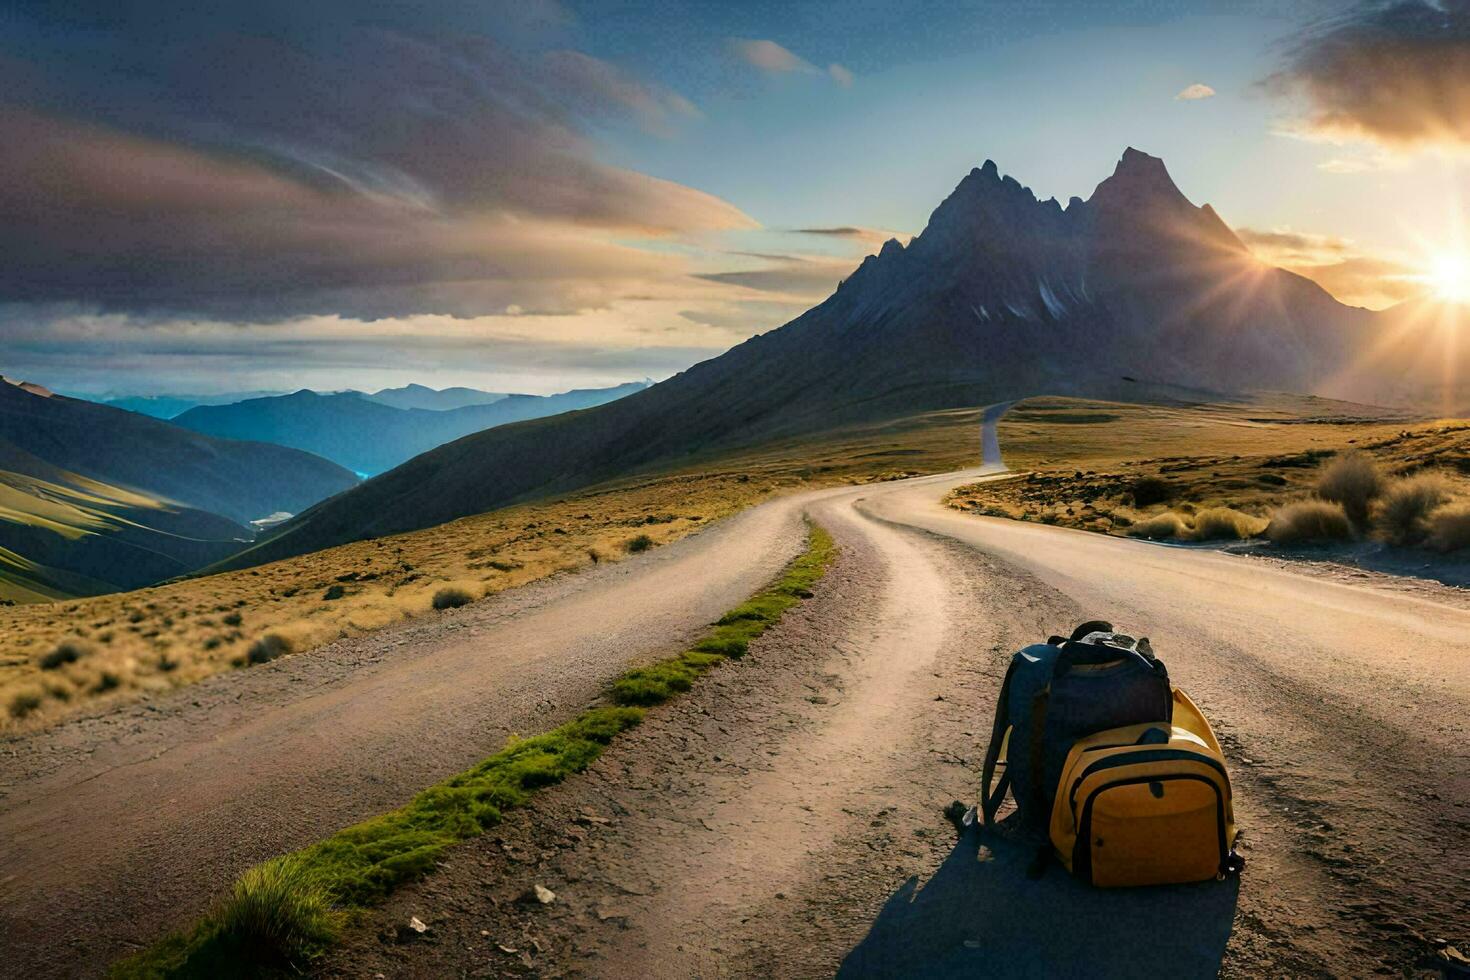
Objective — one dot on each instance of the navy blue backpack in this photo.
(1057, 692)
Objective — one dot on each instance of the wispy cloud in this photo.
(1195, 92)
(1395, 74)
(382, 175)
(1336, 264)
(773, 59)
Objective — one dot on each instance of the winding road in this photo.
(1343, 707)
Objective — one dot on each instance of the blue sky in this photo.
(540, 195)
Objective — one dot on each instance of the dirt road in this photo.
(785, 819)
(115, 827)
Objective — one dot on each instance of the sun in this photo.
(1449, 276)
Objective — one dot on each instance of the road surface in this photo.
(770, 822)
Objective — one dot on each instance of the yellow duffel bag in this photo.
(1147, 804)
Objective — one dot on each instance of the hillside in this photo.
(1002, 296)
(95, 499)
(366, 435)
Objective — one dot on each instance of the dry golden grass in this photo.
(155, 639)
(1204, 472)
(1310, 522)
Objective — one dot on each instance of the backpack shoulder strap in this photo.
(990, 801)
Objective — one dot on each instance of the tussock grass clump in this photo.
(278, 914)
(267, 648)
(1310, 522)
(641, 543)
(1225, 524)
(1449, 527)
(1160, 527)
(1354, 481)
(26, 700)
(65, 652)
(282, 913)
(1403, 513)
(1150, 490)
(452, 597)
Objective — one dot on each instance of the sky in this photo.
(545, 194)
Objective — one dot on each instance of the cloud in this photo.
(1194, 92)
(1337, 265)
(1396, 74)
(842, 76)
(807, 278)
(368, 172)
(599, 87)
(769, 56)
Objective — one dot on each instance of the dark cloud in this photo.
(206, 170)
(1397, 74)
(810, 277)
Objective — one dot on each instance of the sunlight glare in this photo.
(1449, 277)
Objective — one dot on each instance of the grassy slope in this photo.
(1085, 458)
(283, 912)
(151, 640)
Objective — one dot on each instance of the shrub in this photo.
(334, 593)
(1355, 482)
(233, 619)
(1403, 513)
(66, 652)
(641, 543)
(1150, 490)
(1449, 527)
(26, 700)
(1309, 522)
(452, 597)
(277, 915)
(1160, 527)
(267, 648)
(1225, 524)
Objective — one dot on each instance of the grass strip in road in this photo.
(284, 913)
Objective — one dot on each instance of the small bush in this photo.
(451, 597)
(1449, 527)
(267, 648)
(1354, 481)
(1225, 524)
(334, 593)
(1403, 513)
(26, 700)
(1150, 490)
(641, 543)
(108, 680)
(66, 652)
(1161, 527)
(277, 915)
(1309, 522)
(233, 619)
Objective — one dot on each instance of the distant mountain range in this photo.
(1001, 296)
(409, 396)
(368, 434)
(95, 499)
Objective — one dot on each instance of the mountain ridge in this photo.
(1001, 296)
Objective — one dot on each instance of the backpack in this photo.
(1146, 804)
(1060, 691)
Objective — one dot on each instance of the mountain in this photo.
(94, 499)
(1001, 296)
(366, 436)
(418, 396)
(168, 406)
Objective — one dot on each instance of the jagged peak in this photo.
(891, 247)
